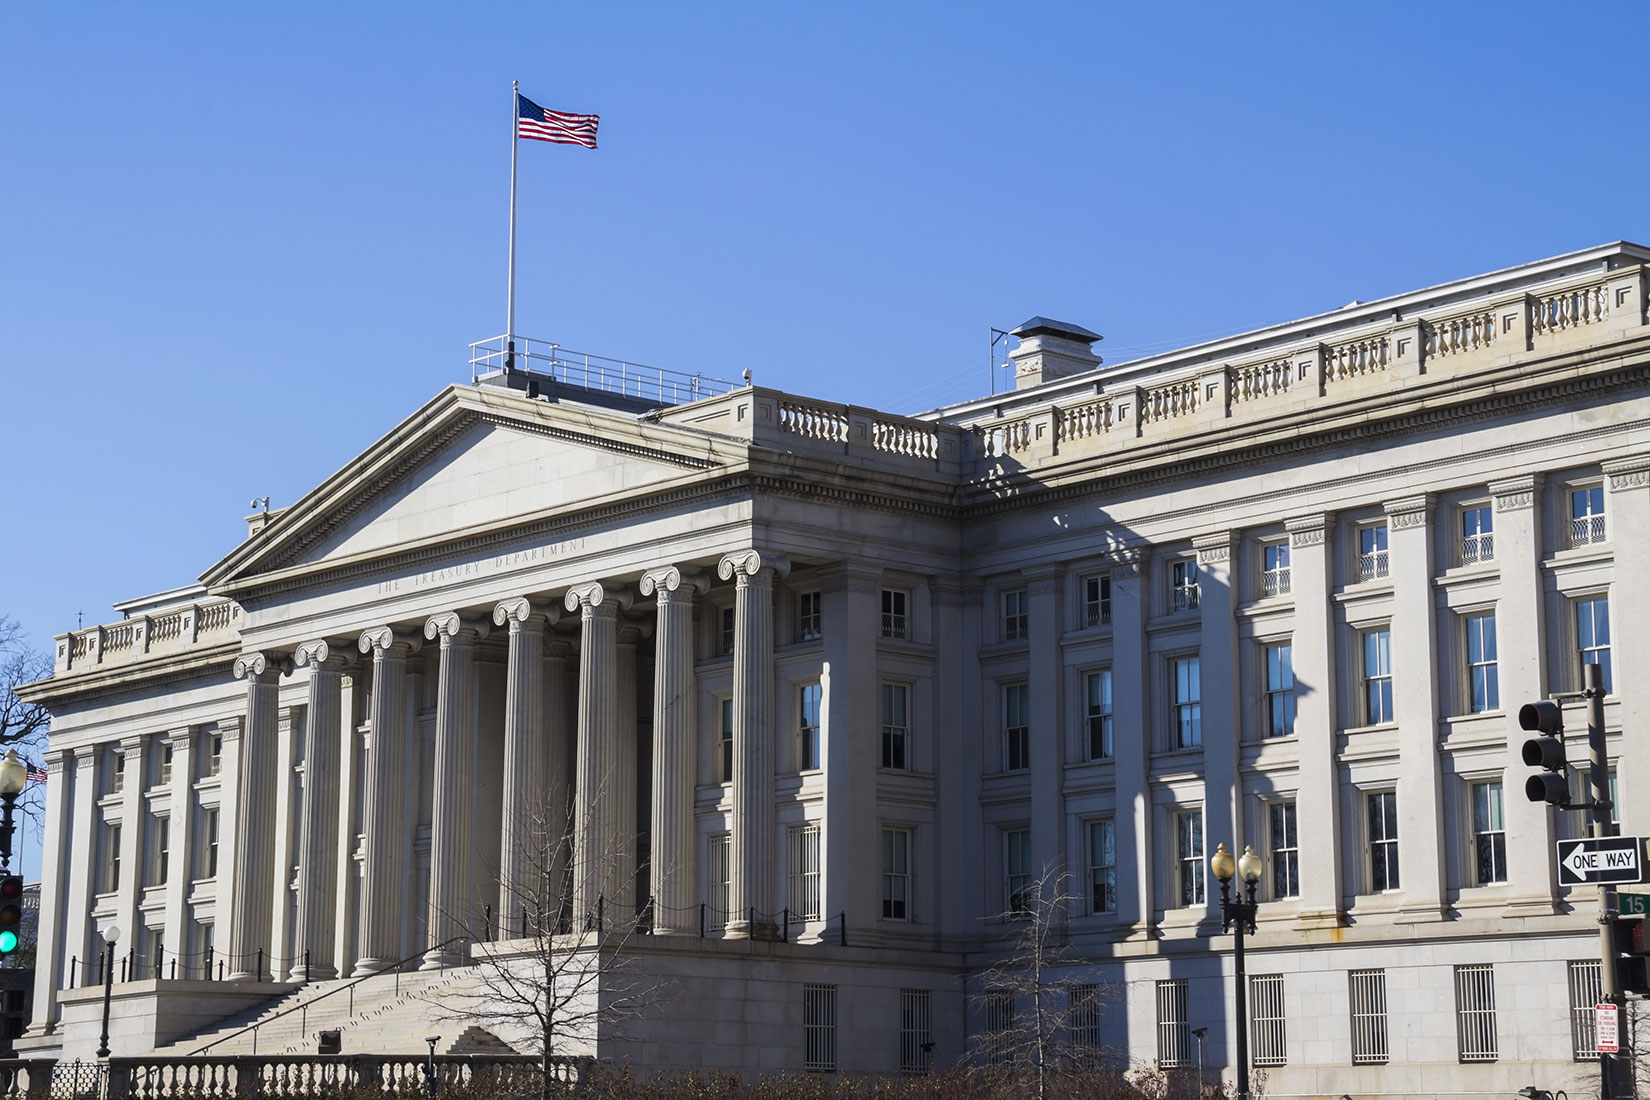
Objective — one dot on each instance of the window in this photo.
(1483, 681)
(999, 1025)
(1014, 615)
(204, 939)
(154, 953)
(1475, 1012)
(819, 1027)
(1586, 991)
(725, 763)
(1097, 600)
(1183, 584)
(160, 850)
(896, 727)
(1016, 727)
(724, 637)
(893, 613)
(808, 727)
(1266, 1032)
(1098, 686)
(1083, 1019)
(1280, 689)
(1587, 515)
(117, 770)
(896, 874)
(1477, 534)
(1372, 559)
(1188, 703)
(1368, 1016)
(111, 858)
(916, 1030)
(1377, 678)
(1274, 568)
(1017, 871)
(1286, 856)
(1102, 866)
(163, 764)
(1593, 634)
(1188, 839)
(1489, 837)
(805, 872)
(1173, 1037)
(807, 617)
(720, 878)
(209, 845)
(1382, 810)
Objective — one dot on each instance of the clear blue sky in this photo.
(241, 241)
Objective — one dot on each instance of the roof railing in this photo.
(592, 372)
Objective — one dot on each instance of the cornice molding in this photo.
(1514, 494)
(1216, 547)
(1408, 512)
(1310, 530)
(1630, 472)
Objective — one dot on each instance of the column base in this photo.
(1318, 919)
(765, 931)
(439, 958)
(301, 973)
(1424, 913)
(366, 967)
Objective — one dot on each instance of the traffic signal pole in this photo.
(1613, 1077)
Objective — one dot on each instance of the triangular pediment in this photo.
(472, 461)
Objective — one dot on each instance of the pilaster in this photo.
(851, 851)
(1628, 512)
(945, 898)
(250, 902)
(675, 736)
(133, 823)
(1131, 743)
(1221, 717)
(181, 800)
(385, 801)
(318, 843)
(1047, 763)
(1312, 657)
(57, 928)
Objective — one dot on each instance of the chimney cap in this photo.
(1043, 326)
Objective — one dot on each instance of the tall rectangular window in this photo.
(160, 863)
(1097, 600)
(1188, 840)
(154, 953)
(111, 858)
(808, 727)
(896, 874)
(896, 727)
(1083, 1020)
(894, 623)
(1372, 560)
(1173, 1036)
(1587, 515)
(1368, 999)
(1475, 1012)
(916, 1030)
(163, 771)
(1477, 534)
(819, 1027)
(1017, 884)
(1489, 836)
(1593, 635)
(117, 770)
(1102, 866)
(805, 872)
(719, 876)
(1016, 727)
(1266, 1016)
(1280, 689)
(1098, 689)
(1286, 856)
(1586, 991)
(1015, 615)
(999, 1025)
(807, 617)
(214, 753)
(725, 634)
(1377, 676)
(1183, 590)
(1382, 810)
(1188, 702)
(1483, 677)
(1274, 568)
(725, 741)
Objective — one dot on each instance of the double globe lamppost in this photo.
(1239, 914)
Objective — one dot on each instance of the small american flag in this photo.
(533, 121)
(34, 773)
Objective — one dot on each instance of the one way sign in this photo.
(1599, 860)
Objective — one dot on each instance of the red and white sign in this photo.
(1609, 1034)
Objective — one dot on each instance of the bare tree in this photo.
(23, 725)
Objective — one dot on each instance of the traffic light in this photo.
(1545, 751)
(11, 913)
(1632, 968)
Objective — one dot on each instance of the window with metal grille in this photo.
(893, 613)
(896, 726)
(1368, 999)
(1477, 534)
(725, 746)
(719, 881)
(1098, 688)
(1173, 1037)
(1187, 702)
(1183, 585)
(999, 1023)
(1274, 568)
(1483, 674)
(1083, 1020)
(1586, 991)
(916, 1030)
(1489, 834)
(819, 1027)
(1015, 615)
(805, 872)
(1372, 559)
(807, 616)
(1016, 727)
(1097, 600)
(1188, 832)
(1593, 635)
(1475, 1012)
(808, 727)
(896, 874)
(1266, 1031)
(1102, 866)
(1017, 871)
(1286, 856)
(1587, 515)
(725, 636)
(1280, 689)
(1382, 810)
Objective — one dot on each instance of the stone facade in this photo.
(810, 672)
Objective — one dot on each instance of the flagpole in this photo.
(510, 285)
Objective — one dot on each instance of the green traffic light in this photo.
(8, 942)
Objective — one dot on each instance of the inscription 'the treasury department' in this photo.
(497, 563)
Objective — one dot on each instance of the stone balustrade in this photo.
(167, 631)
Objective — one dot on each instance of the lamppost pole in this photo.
(14, 776)
(1240, 915)
(110, 935)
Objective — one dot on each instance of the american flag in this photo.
(533, 121)
(34, 773)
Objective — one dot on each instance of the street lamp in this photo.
(14, 775)
(429, 1067)
(1240, 915)
(1200, 1034)
(111, 933)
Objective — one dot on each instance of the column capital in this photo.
(450, 624)
(592, 596)
(379, 639)
(1310, 530)
(1632, 472)
(320, 653)
(1406, 512)
(1214, 547)
(667, 579)
(56, 759)
(1514, 494)
(261, 665)
(519, 610)
(558, 649)
(84, 754)
(948, 592)
(1130, 563)
(748, 563)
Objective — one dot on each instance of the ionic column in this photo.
(595, 824)
(751, 893)
(1312, 651)
(385, 810)
(675, 736)
(452, 846)
(251, 903)
(318, 844)
(529, 825)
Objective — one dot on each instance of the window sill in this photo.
(1580, 555)
(1378, 727)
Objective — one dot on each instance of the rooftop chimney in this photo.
(1051, 349)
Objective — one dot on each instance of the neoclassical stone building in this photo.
(821, 691)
